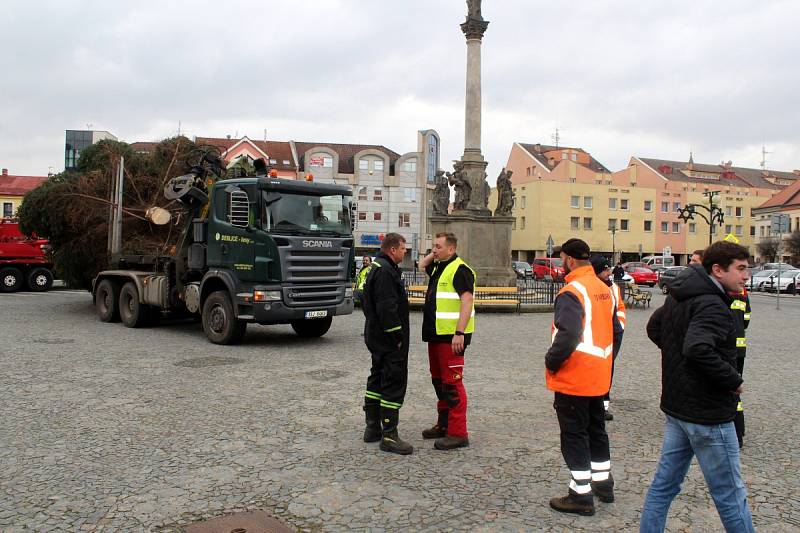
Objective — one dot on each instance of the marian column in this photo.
(474, 166)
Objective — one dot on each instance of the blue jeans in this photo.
(717, 451)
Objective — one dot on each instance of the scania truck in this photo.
(255, 249)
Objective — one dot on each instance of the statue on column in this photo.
(505, 194)
(487, 191)
(441, 194)
(474, 9)
(459, 181)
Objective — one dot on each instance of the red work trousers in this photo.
(447, 368)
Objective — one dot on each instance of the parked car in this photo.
(667, 275)
(757, 281)
(658, 260)
(776, 266)
(548, 266)
(522, 269)
(642, 275)
(788, 282)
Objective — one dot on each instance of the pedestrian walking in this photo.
(361, 277)
(578, 371)
(447, 326)
(619, 277)
(386, 334)
(696, 333)
(602, 268)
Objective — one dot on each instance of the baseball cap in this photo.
(599, 263)
(575, 248)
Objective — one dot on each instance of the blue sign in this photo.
(371, 240)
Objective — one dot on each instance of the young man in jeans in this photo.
(697, 333)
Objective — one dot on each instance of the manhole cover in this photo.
(326, 375)
(53, 341)
(202, 362)
(251, 522)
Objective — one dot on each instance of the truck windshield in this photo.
(293, 213)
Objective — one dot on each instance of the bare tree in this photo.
(793, 243)
(769, 248)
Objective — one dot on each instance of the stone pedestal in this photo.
(484, 243)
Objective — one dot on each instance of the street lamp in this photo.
(613, 229)
(714, 213)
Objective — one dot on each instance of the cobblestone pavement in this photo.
(108, 428)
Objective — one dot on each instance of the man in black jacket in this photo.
(696, 333)
(385, 305)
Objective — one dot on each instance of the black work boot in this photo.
(372, 413)
(582, 504)
(439, 430)
(608, 416)
(604, 490)
(391, 441)
(450, 443)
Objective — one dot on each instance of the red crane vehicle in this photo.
(24, 261)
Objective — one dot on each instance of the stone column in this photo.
(474, 164)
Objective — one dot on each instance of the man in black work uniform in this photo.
(385, 305)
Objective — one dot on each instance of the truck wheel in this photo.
(219, 320)
(315, 327)
(40, 279)
(132, 313)
(106, 301)
(10, 279)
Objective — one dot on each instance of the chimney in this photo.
(5, 172)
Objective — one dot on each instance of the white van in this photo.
(659, 260)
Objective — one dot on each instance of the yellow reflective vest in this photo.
(448, 302)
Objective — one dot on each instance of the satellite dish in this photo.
(158, 216)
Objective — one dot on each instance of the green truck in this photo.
(255, 249)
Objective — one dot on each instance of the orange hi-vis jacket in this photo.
(587, 370)
(620, 303)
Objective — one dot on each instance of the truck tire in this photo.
(40, 279)
(106, 301)
(315, 327)
(219, 320)
(132, 313)
(10, 279)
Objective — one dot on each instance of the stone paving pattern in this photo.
(105, 428)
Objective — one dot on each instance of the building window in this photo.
(728, 211)
(676, 227)
(714, 229)
(410, 165)
(752, 231)
(728, 228)
(665, 207)
(648, 206)
(648, 225)
(739, 212)
(587, 202)
(377, 195)
(692, 228)
(376, 216)
(404, 220)
(665, 227)
(362, 215)
(623, 204)
(612, 203)
(564, 156)
(410, 194)
(327, 161)
(574, 223)
(378, 164)
(8, 209)
(363, 164)
(587, 223)
(623, 224)
(574, 201)
(362, 193)
(523, 204)
(676, 206)
(574, 157)
(529, 171)
(612, 224)
(738, 230)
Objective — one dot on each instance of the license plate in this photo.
(316, 314)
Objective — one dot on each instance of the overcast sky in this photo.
(618, 78)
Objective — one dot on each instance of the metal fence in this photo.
(529, 291)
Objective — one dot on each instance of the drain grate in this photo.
(202, 362)
(250, 522)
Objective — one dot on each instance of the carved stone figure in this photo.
(487, 191)
(474, 9)
(441, 194)
(462, 186)
(505, 194)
